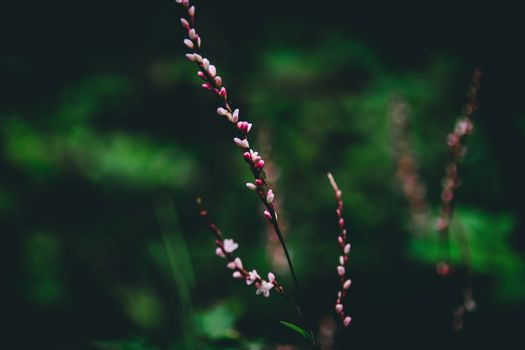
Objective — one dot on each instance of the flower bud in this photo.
(340, 270)
(270, 197)
(347, 284)
(185, 23)
(189, 43)
(222, 111)
(212, 71)
(241, 143)
(338, 308)
(251, 186)
(235, 116)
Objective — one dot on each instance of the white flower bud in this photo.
(270, 197)
(347, 284)
(251, 186)
(205, 63)
(212, 71)
(222, 111)
(189, 43)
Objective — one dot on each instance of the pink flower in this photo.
(230, 245)
(242, 143)
(185, 23)
(189, 43)
(347, 321)
(235, 116)
(219, 252)
(338, 308)
(347, 284)
(264, 288)
(271, 277)
(212, 71)
(238, 263)
(252, 277)
(270, 197)
(340, 270)
(191, 11)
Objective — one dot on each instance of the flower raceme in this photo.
(342, 239)
(225, 249)
(214, 83)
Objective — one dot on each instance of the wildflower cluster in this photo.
(343, 258)
(226, 248)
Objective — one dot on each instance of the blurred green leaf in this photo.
(297, 329)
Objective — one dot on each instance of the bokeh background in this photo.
(106, 140)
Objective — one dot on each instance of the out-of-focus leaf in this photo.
(490, 248)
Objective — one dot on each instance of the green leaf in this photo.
(296, 328)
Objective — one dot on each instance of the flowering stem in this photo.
(214, 83)
(456, 142)
(342, 267)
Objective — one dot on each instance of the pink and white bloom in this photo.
(252, 277)
(230, 245)
(241, 143)
(264, 288)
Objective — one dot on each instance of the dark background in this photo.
(106, 140)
